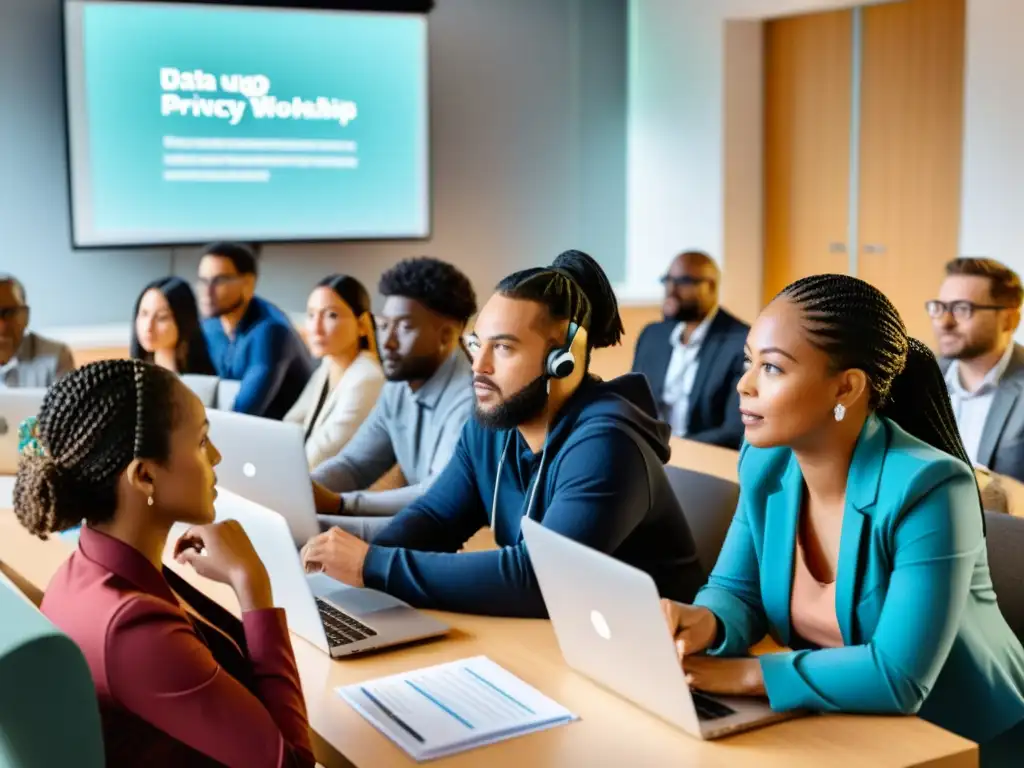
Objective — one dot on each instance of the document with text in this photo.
(449, 708)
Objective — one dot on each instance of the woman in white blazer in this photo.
(343, 390)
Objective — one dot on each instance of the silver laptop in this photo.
(338, 619)
(608, 620)
(16, 405)
(204, 387)
(265, 461)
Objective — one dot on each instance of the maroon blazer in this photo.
(172, 690)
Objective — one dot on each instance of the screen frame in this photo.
(122, 245)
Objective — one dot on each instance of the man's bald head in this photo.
(691, 287)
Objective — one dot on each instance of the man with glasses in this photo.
(693, 359)
(26, 359)
(974, 318)
(251, 341)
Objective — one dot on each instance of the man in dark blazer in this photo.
(975, 317)
(694, 358)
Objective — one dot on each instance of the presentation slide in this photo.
(189, 123)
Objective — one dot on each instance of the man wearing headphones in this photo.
(548, 441)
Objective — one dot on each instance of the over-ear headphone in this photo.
(560, 362)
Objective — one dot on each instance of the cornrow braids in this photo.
(93, 423)
(573, 288)
(858, 327)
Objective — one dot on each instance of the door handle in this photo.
(837, 247)
(874, 248)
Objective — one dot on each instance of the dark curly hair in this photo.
(858, 327)
(573, 288)
(94, 421)
(435, 284)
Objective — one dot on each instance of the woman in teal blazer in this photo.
(853, 472)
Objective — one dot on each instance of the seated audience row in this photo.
(26, 359)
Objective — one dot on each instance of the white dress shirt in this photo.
(971, 408)
(682, 373)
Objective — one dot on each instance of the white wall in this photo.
(992, 221)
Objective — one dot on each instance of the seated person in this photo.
(123, 444)
(344, 389)
(549, 442)
(26, 359)
(250, 339)
(975, 318)
(859, 539)
(421, 410)
(694, 357)
(166, 329)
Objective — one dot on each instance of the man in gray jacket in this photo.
(975, 318)
(26, 359)
(419, 416)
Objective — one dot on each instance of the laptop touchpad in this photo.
(351, 599)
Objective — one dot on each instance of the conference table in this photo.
(610, 730)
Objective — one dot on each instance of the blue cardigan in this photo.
(921, 628)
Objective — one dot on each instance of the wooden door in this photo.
(910, 150)
(808, 67)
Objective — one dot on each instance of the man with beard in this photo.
(250, 340)
(974, 318)
(548, 441)
(422, 408)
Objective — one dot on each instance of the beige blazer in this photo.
(346, 407)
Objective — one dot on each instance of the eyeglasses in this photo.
(205, 283)
(13, 313)
(961, 310)
(680, 281)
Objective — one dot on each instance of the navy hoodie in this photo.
(602, 483)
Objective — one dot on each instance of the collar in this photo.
(124, 561)
(991, 380)
(699, 333)
(253, 313)
(430, 393)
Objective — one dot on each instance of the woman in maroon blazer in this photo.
(123, 446)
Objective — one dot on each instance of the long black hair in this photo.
(573, 288)
(355, 295)
(191, 354)
(858, 327)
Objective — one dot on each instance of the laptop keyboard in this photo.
(709, 709)
(341, 628)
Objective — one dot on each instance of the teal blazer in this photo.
(921, 628)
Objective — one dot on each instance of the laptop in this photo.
(265, 461)
(608, 621)
(338, 619)
(204, 387)
(16, 405)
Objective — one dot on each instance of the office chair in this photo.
(49, 715)
(1005, 544)
(708, 504)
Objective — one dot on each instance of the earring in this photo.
(149, 501)
(839, 411)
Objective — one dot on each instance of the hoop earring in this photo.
(839, 411)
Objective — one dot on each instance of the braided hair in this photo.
(858, 327)
(573, 288)
(93, 423)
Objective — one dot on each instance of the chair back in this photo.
(708, 503)
(1005, 538)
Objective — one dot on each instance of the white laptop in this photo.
(338, 619)
(265, 461)
(204, 387)
(608, 620)
(16, 405)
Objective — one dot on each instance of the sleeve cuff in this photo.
(266, 631)
(376, 567)
(776, 671)
(351, 503)
(731, 638)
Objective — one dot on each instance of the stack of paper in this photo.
(438, 711)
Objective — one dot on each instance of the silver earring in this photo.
(149, 501)
(839, 411)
